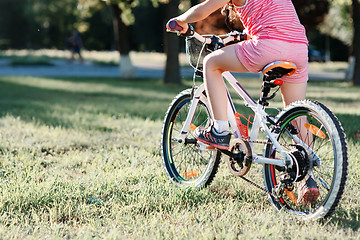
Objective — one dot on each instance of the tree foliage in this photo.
(35, 23)
(343, 23)
(338, 22)
(311, 12)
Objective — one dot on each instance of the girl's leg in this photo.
(292, 92)
(308, 191)
(215, 64)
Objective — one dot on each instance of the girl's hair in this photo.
(230, 15)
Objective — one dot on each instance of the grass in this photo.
(80, 159)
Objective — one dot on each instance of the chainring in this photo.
(240, 162)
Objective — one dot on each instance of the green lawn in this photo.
(80, 159)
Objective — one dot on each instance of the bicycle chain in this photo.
(255, 184)
(259, 187)
(281, 144)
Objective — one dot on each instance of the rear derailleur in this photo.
(296, 173)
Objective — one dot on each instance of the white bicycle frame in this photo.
(258, 123)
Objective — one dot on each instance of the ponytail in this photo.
(230, 15)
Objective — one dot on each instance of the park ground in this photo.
(53, 63)
(80, 159)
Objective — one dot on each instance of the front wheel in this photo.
(186, 163)
(326, 163)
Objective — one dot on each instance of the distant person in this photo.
(75, 43)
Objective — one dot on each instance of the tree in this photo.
(122, 41)
(311, 13)
(36, 23)
(343, 23)
(356, 42)
(122, 18)
(13, 32)
(337, 23)
(171, 41)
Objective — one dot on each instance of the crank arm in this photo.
(227, 152)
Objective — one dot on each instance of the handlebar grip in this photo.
(244, 37)
(174, 26)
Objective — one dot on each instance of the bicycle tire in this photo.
(330, 146)
(185, 164)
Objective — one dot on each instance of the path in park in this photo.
(62, 68)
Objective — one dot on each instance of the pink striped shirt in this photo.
(272, 19)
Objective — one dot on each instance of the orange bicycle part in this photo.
(192, 126)
(315, 130)
(192, 173)
(244, 129)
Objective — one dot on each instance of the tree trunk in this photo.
(171, 40)
(356, 42)
(121, 38)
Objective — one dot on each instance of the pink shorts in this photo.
(255, 54)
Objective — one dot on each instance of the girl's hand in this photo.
(176, 25)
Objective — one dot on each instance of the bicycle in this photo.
(289, 156)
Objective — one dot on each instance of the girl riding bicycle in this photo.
(276, 34)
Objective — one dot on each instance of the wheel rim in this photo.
(318, 134)
(186, 163)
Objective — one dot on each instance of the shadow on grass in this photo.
(54, 106)
(54, 101)
(337, 100)
(350, 124)
(347, 219)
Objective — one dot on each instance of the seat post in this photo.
(265, 89)
(272, 72)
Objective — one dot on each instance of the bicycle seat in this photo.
(278, 69)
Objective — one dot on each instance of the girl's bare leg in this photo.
(215, 64)
(291, 92)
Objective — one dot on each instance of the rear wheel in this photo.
(317, 126)
(185, 164)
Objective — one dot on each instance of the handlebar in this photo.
(173, 26)
(231, 37)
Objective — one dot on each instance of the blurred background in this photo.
(139, 26)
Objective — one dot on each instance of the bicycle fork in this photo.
(197, 94)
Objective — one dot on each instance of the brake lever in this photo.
(189, 32)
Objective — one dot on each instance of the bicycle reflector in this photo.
(315, 130)
(278, 82)
(192, 173)
(291, 195)
(192, 126)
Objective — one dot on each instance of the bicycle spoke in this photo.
(313, 130)
(187, 163)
